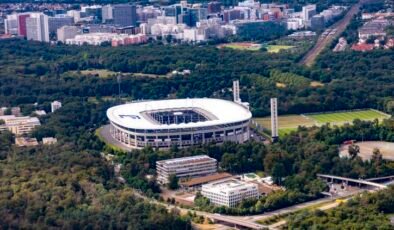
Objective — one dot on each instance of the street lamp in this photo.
(118, 79)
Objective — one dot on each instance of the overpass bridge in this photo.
(237, 222)
(357, 181)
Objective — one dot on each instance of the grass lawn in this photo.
(290, 123)
(277, 48)
(347, 117)
(241, 46)
(102, 73)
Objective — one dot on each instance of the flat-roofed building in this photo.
(196, 183)
(194, 166)
(19, 125)
(55, 105)
(229, 192)
(26, 141)
(49, 140)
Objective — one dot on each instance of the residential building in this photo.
(37, 28)
(55, 105)
(16, 111)
(11, 24)
(125, 15)
(308, 12)
(67, 32)
(229, 192)
(214, 7)
(19, 125)
(185, 167)
(49, 140)
(124, 39)
(22, 30)
(374, 28)
(26, 141)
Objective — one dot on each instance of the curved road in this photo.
(330, 34)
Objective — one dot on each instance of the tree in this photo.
(278, 172)
(173, 182)
(377, 155)
(353, 150)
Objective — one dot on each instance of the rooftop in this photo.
(185, 160)
(205, 179)
(228, 186)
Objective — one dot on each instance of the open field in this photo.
(241, 46)
(367, 147)
(104, 73)
(340, 118)
(289, 123)
(277, 48)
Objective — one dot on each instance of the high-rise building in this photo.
(66, 32)
(22, 31)
(274, 119)
(58, 21)
(106, 12)
(125, 15)
(37, 28)
(55, 106)
(308, 12)
(11, 24)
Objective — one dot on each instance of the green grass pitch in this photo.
(288, 123)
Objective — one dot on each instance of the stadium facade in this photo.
(180, 122)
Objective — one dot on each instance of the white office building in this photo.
(229, 192)
(55, 106)
(184, 167)
(37, 27)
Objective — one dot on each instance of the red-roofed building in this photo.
(362, 47)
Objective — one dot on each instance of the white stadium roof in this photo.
(133, 115)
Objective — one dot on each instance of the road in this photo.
(330, 34)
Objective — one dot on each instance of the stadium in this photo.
(180, 122)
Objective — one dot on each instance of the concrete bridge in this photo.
(357, 181)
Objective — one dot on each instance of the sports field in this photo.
(277, 48)
(339, 118)
(241, 46)
(289, 123)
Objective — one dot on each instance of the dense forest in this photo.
(34, 72)
(368, 211)
(61, 188)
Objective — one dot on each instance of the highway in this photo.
(330, 34)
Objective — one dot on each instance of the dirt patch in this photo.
(367, 147)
